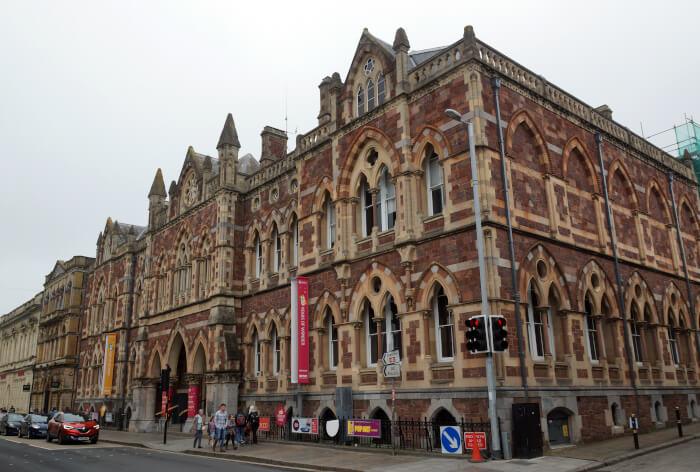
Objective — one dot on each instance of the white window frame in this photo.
(381, 89)
(636, 342)
(295, 242)
(366, 206)
(278, 250)
(389, 332)
(332, 343)
(370, 95)
(256, 353)
(386, 198)
(330, 223)
(532, 327)
(258, 256)
(438, 328)
(275, 352)
(430, 188)
(369, 337)
(588, 320)
(673, 341)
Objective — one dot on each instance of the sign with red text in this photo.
(163, 403)
(264, 423)
(192, 401)
(365, 428)
(303, 329)
(280, 416)
(305, 425)
(471, 438)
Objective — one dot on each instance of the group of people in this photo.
(224, 428)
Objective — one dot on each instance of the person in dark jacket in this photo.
(239, 425)
(253, 423)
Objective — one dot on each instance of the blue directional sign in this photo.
(451, 439)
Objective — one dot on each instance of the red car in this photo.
(68, 427)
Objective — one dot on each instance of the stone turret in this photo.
(401, 47)
(156, 200)
(228, 148)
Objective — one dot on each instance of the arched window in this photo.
(387, 201)
(329, 214)
(258, 255)
(277, 250)
(380, 89)
(275, 351)
(294, 243)
(367, 208)
(332, 341)
(672, 340)
(444, 326)
(370, 95)
(636, 335)
(609, 337)
(204, 270)
(373, 332)
(614, 414)
(433, 174)
(393, 322)
(256, 353)
(650, 336)
(360, 101)
(181, 276)
(591, 330)
(535, 324)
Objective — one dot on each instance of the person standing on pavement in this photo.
(240, 426)
(198, 427)
(253, 423)
(220, 419)
(211, 431)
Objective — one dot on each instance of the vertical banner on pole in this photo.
(294, 350)
(108, 368)
(192, 401)
(303, 294)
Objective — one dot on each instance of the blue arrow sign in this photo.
(451, 439)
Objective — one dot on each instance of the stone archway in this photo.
(559, 426)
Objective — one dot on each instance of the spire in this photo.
(401, 40)
(158, 187)
(229, 136)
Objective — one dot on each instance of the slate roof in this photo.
(248, 165)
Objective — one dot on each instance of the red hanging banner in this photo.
(192, 401)
(303, 304)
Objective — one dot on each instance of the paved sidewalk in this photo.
(326, 457)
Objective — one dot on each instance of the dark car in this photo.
(69, 427)
(9, 424)
(33, 426)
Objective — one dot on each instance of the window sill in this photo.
(431, 218)
(323, 252)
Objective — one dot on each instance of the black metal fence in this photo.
(409, 434)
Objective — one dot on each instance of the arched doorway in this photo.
(197, 379)
(558, 427)
(441, 418)
(326, 415)
(380, 414)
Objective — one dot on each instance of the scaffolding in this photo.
(688, 140)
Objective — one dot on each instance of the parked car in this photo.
(33, 426)
(9, 424)
(69, 427)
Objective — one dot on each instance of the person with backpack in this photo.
(240, 426)
(253, 423)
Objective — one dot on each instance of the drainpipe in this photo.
(126, 335)
(620, 295)
(496, 84)
(685, 265)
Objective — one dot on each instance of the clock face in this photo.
(191, 191)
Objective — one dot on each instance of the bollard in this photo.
(635, 430)
(678, 421)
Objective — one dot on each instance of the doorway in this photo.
(558, 427)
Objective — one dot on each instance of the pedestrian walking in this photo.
(211, 431)
(253, 423)
(240, 426)
(220, 420)
(198, 427)
(230, 433)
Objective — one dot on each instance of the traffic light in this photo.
(499, 335)
(476, 334)
(165, 379)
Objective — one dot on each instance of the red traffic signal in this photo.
(476, 334)
(499, 335)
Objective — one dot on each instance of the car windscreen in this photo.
(14, 417)
(67, 417)
(38, 419)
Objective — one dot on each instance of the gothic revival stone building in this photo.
(375, 206)
(18, 334)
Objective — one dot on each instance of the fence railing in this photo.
(409, 434)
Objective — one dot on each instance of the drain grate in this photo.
(521, 462)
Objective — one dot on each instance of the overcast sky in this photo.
(95, 96)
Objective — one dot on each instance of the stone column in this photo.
(222, 388)
(427, 352)
(145, 395)
(545, 329)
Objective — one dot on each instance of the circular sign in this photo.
(281, 416)
(295, 425)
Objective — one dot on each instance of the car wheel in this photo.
(93, 440)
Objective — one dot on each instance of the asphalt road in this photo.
(37, 455)
(681, 458)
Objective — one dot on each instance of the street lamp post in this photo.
(490, 376)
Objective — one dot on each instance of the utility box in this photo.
(506, 446)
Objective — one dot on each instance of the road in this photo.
(682, 458)
(32, 455)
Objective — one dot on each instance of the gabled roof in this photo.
(418, 57)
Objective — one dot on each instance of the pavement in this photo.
(576, 458)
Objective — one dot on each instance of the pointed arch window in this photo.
(256, 352)
(380, 89)
(360, 101)
(444, 326)
(535, 324)
(387, 201)
(393, 322)
(258, 255)
(373, 332)
(332, 341)
(367, 208)
(294, 240)
(275, 351)
(672, 339)
(277, 250)
(204, 270)
(434, 182)
(330, 222)
(591, 330)
(370, 95)
(636, 335)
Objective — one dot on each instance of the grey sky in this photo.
(95, 96)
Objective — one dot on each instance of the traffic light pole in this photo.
(490, 376)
